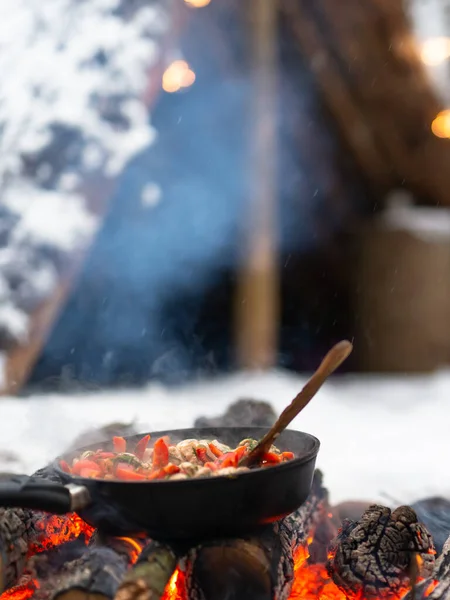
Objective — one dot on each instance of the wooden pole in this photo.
(257, 296)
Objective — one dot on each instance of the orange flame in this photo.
(176, 588)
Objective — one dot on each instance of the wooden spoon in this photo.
(329, 364)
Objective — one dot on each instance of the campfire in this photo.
(304, 556)
(314, 553)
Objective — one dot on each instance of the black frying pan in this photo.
(189, 509)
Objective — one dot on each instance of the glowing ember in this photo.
(430, 589)
(56, 530)
(136, 548)
(22, 591)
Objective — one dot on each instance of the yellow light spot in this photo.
(198, 3)
(177, 75)
(441, 124)
(435, 51)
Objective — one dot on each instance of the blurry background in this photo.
(191, 188)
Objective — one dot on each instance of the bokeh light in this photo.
(435, 51)
(441, 124)
(178, 75)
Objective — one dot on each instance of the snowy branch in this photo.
(74, 73)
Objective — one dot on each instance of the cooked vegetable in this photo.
(186, 459)
(120, 444)
(141, 447)
(160, 453)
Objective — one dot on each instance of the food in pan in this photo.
(166, 460)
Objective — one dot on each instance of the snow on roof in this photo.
(74, 73)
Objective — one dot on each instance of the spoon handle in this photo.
(329, 364)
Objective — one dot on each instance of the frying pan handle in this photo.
(22, 491)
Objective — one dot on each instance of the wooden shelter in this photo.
(376, 94)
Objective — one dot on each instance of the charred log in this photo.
(434, 513)
(436, 587)
(148, 579)
(14, 524)
(442, 567)
(25, 532)
(99, 435)
(260, 567)
(98, 572)
(375, 557)
(242, 413)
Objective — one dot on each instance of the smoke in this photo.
(173, 229)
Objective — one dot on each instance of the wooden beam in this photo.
(257, 293)
(375, 59)
(351, 120)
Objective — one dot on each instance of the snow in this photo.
(72, 102)
(431, 225)
(380, 437)
(48, 218)
(68, 63)
(151, 195)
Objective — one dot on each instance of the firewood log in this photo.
(376, 557)
(14, 524)
(24, 532)
(151, 574)
(436, 587)
(98, 572)
(259, 566)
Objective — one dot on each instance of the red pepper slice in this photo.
(287, 455)
(240, 452)
(171, 469)
(141, 447)
(164, 472)
(201, 454)
(104, 455)
(271, 457)
(215, 450)
(160, 454)
(229, 460)
(120, 444)
(212, 466)
(65, 466)
(90, 473)
(158, 474)
(232, 459)
(128, 475)
(84, 464)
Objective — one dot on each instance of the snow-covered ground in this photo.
(379, 435)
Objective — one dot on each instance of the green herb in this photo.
(128, 458)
